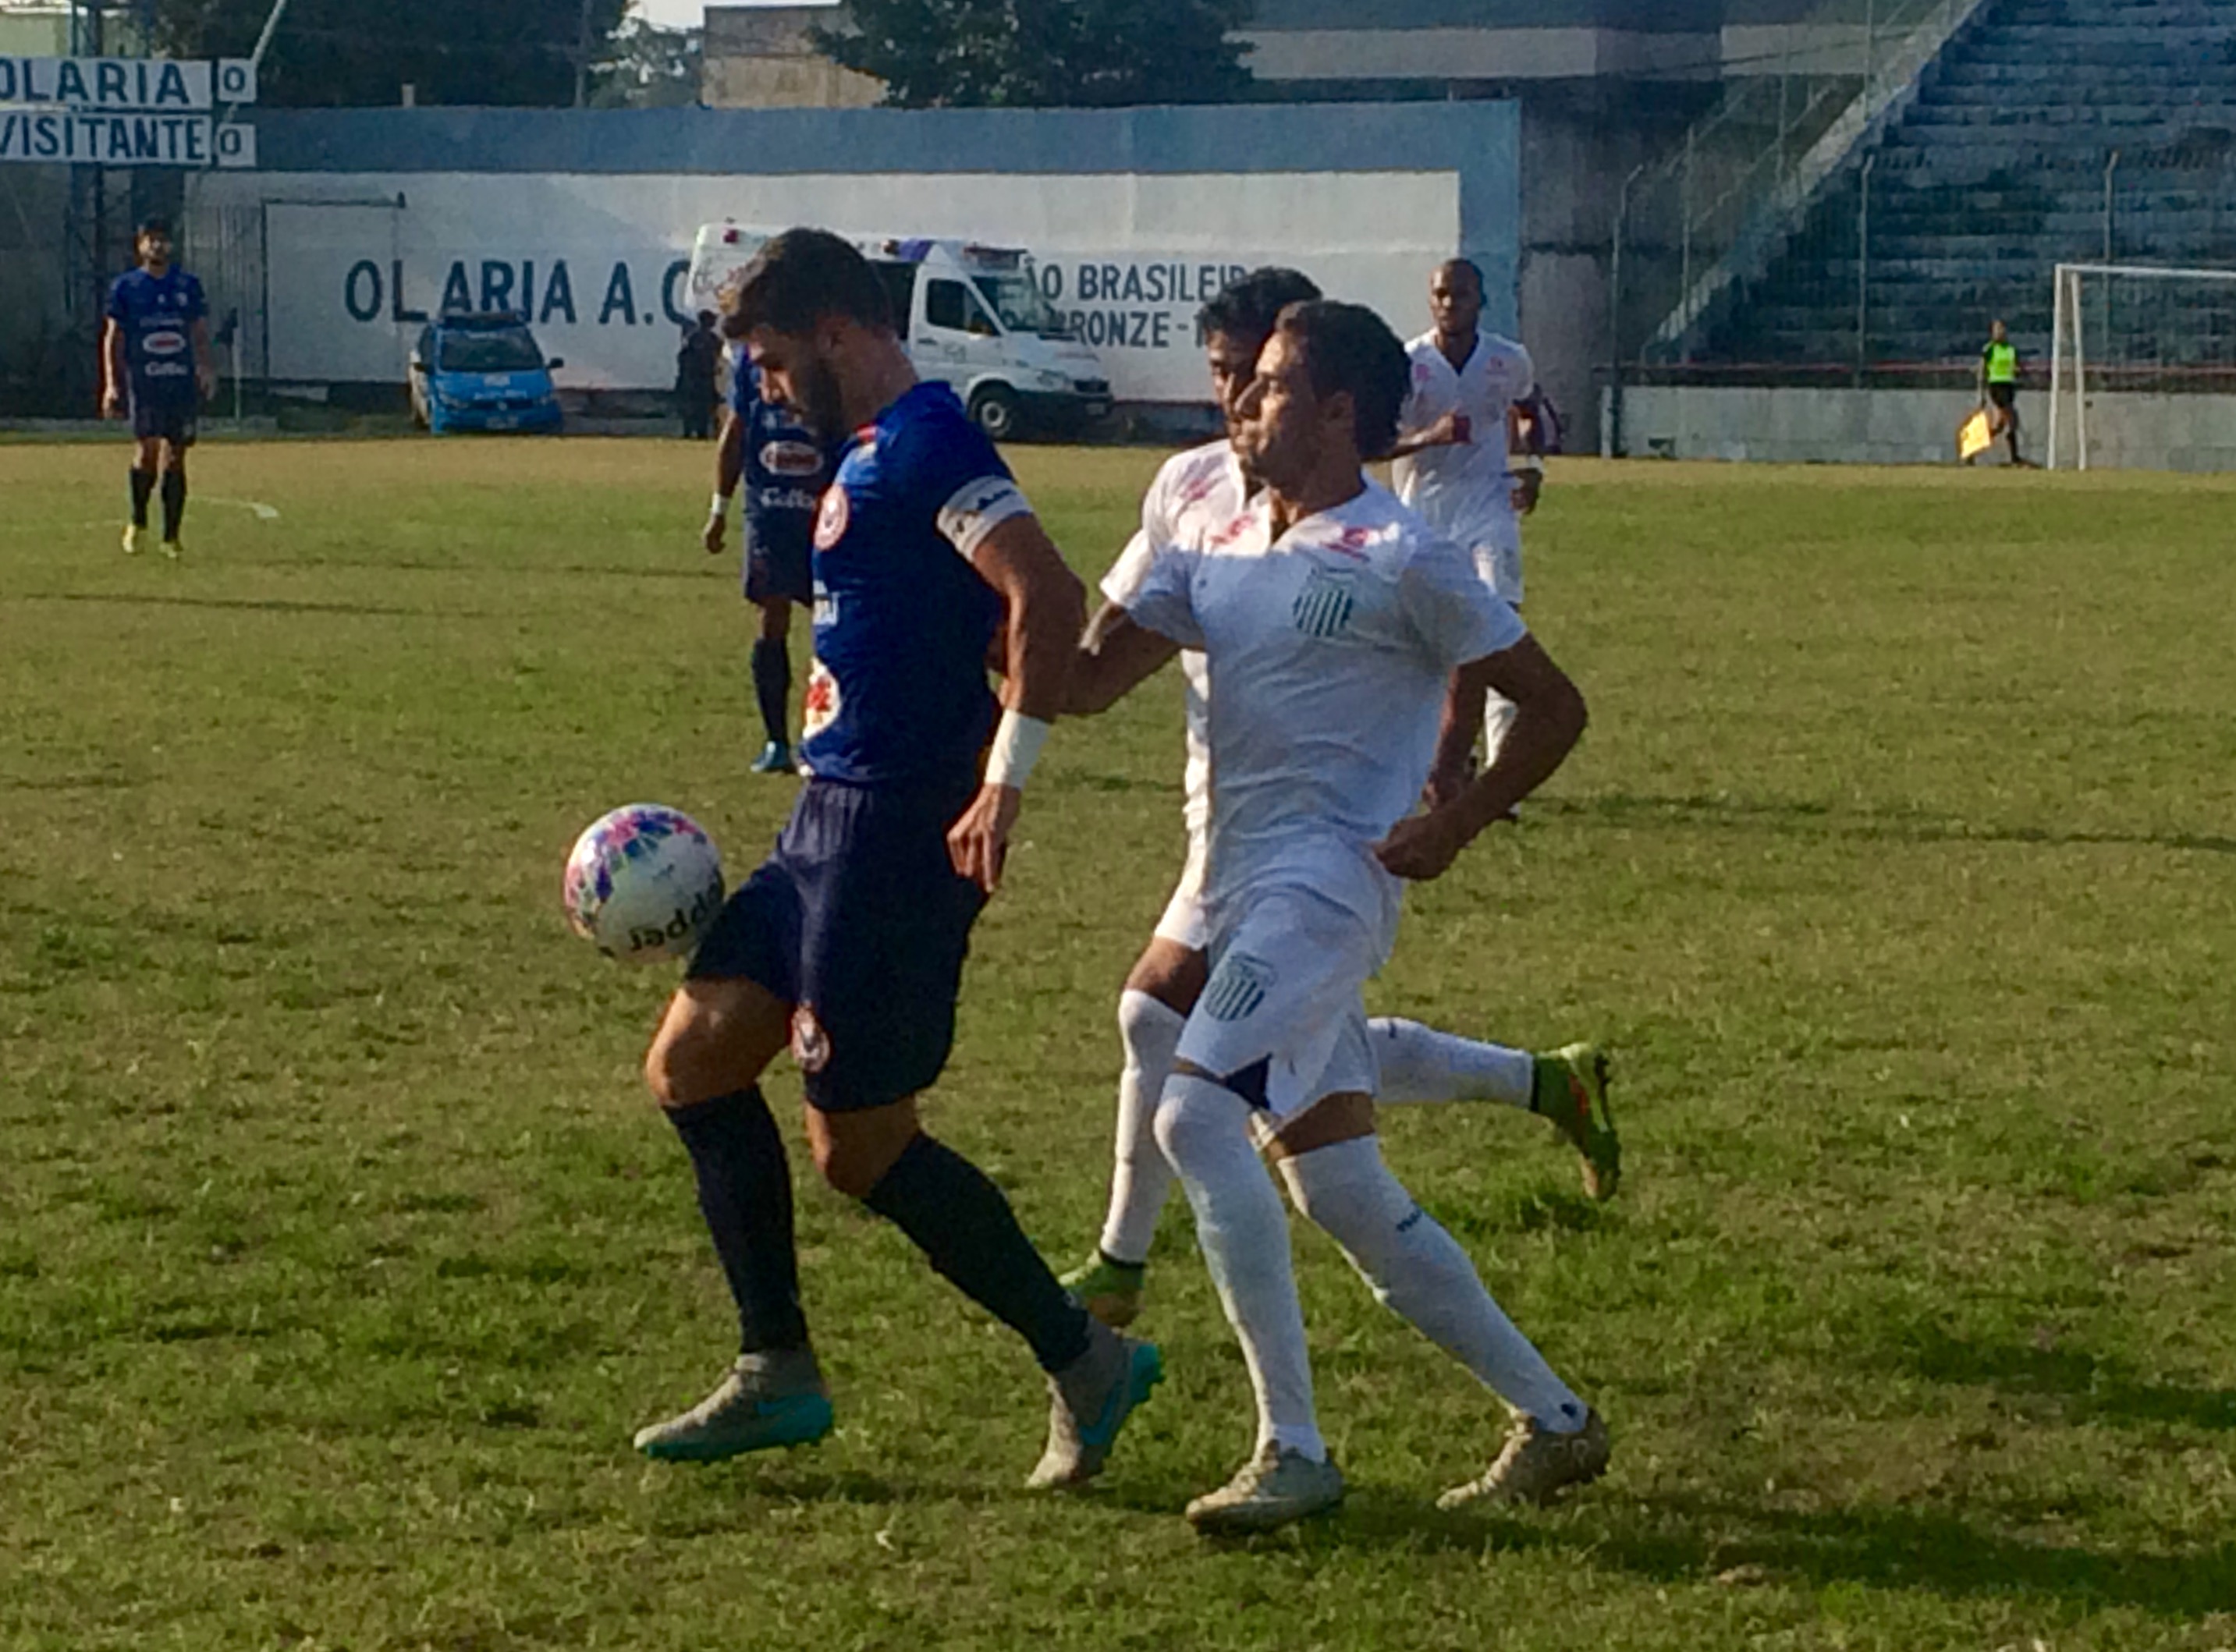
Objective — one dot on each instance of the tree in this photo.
(1045, 53)
(351, 52)
(646, 66)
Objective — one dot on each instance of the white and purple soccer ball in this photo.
(643, 882)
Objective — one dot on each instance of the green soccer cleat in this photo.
(1270, 1490)
(1088, 1402)
(1537, 1465)
(767, 1401)
(1571, 1090)
(171, 549)
(775, 758)
(1109, 1290)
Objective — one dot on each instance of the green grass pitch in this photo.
(340, 1251)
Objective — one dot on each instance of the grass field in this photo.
(339, 1252)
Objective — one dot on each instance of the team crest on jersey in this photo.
(830, 521)
(1238, 987)
(811, 1045)
(819, 704)
(1323, 609)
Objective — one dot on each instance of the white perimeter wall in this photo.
(1920, 427)
(595, 258)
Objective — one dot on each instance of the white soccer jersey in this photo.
(1204, 485)
(1465, 490)
(1328, 651)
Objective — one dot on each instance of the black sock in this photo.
(961, 1221)
(745, 1193)
(143, 488)
(772, 684)
(175, 502)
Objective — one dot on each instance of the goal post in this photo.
(2134, 330)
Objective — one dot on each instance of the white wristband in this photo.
(1016, 747)
(721, 507)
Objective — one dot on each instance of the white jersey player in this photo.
(1206, 488)
(1332, 620)
(1452, 463)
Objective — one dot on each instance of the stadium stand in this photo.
(2046, 130)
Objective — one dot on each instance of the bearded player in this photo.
(156, 366)
(1416, 1063)
(848, 943)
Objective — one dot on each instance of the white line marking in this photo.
(263, 513)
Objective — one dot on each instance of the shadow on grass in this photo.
(1801, 818)
(2091, 1386)
(1687, 1541)
(249, 605)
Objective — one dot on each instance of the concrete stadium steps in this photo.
(1996, 171)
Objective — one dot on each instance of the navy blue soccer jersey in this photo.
(156, 314)
(785, 470)
(902, 621)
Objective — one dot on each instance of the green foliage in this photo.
(354, 53)
(1045, 53)
(340, 1252)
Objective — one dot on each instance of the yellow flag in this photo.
(1974, 436)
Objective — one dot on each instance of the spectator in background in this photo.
(694, 376)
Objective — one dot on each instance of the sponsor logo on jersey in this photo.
(163, 341)
(787, 458)
(1323, 607)
(1238, 987)
(830, 521)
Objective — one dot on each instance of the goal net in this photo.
(2131, 344)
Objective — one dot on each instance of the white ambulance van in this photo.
(971, 316)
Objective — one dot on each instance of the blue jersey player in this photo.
(785, 469)
(155, 362)
(848, 943)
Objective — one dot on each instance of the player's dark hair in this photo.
(153, 226)
(1471, 267)
(1348, 348)
(802, 278)
(1248, 306)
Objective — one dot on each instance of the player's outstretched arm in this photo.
(1549, 719)
(729, 465)
(1116, 654)
(113, 370)
(1046, 606)
(205, 360)
(1451, 430)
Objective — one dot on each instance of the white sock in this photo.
(1141, 1178)
(1419, 1271)
(1204, 1128)
(1420, 1063)
(1498, 714)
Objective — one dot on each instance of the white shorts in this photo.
(1497, 555)
(1184, 924)
(1285, 990)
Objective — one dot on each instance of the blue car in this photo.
(482, 372)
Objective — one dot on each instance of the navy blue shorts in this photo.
(859, 922)
(171, 422)
(778, 565)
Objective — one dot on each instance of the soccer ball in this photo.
(643, 882)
